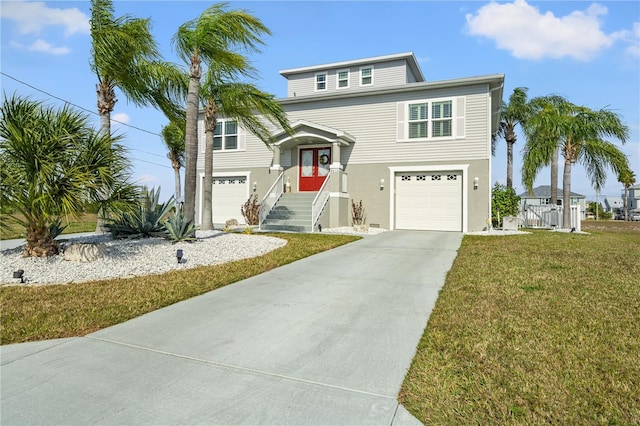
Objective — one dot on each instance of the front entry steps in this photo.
(291, 213)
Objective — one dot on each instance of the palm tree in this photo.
(124, 55)
(211, 38)
(628, 179)
(242, 102)
(53, 163)
(578, 132)
(173, 138)
(512, 114)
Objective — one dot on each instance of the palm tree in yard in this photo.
(53, 163)
(173, 138)
(579, 134)
(212, 38)
(512, 114)
(124, 55)
(244, 103)
(628, 179)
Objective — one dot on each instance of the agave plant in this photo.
(147, 220)
(178, 228)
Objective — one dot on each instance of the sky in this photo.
(587, 52)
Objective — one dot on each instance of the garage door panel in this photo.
(429, 201)
(229, 194)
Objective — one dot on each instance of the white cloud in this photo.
(530, 34)
(146, 178)
(33, 17)
(42, 46)
(120, 118)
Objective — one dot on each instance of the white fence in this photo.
(549, 217)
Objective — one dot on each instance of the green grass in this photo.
(53, 311)
(534, 329)
(84, 223)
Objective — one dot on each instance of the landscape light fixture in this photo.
(19, 274)
(179, 255)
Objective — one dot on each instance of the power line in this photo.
(87, 110)
(95, 113)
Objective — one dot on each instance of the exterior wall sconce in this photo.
(381, 184)
(475, 182)
(255, 186)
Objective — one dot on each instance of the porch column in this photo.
(335, 154)
(276, 158)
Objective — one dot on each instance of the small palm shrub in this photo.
(251, 210)
(146, 220)
(178, 228)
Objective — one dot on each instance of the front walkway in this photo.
(325, 340)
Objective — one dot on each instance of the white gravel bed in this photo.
(129, 258)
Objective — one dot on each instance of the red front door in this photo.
(314, 167)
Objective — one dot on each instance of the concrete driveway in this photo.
(326, 340)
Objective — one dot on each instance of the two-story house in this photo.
(416, 153)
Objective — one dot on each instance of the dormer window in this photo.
(366, 76)
(321, 81)
(343, 79)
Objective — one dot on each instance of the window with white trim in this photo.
(321, 81)
(343, 79)
(430, 119)
(442, 119)
(366, 76)
(225, 136)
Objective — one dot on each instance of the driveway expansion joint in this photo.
(244, 369)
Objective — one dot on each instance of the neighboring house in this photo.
(417, 153)
(613, 205)
(541, 196)
(634, 198)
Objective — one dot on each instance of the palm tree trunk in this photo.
(566, 195)
(39, 242)
(210, 119)
(191, 138)
(510, 163)
(106, 102)
(554, 178)
(176, 174)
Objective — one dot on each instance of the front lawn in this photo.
(52, 311)
(534, 329)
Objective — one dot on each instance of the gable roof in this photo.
(412, 63)
(544, 191)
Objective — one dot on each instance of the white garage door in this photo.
(229, 194)
(429, 201)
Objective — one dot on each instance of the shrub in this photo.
(178, 228)
(146, 220)
(504, 202)
(251, 210)
(358, 215)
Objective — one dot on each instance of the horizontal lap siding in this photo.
(393, 73)
(372, 121)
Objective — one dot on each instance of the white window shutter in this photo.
(460, 117)
(402, 122)
(242, 138)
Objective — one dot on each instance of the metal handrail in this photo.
(319, 202)
(271, 198)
